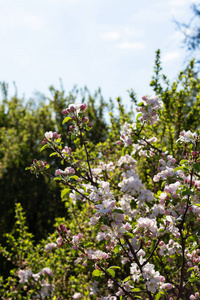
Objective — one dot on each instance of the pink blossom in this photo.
(187, 137)
(59, 241)
(46, 271)
(77, 296)
(83, 106)
(24, 275)
(50, 246)
(64, 111)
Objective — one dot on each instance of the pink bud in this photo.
(72, 108)
(83, 106)
(127, 226)
(44, 141)
(58, 172)
(64, 111)
(80, 236)
(85, 119)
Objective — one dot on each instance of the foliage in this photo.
(22, 123)
(132, 203)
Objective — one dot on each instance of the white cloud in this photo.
(110, 35)
(131, 45)
(28, 20)
(170, 56)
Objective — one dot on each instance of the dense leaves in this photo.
(128, 206)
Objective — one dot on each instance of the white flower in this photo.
(77, 296)
(48, 135)
(46, 290)
(24, 275)
(46, 271)
(105, 207)
(147, 224)
(135, 272)
(50, 246)
(187, 137)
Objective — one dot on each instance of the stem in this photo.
(117, 283)
(67, 163)
(108, 275)
(70, 186)
(156, 244)
(87, 155)
(154, 147)
(183, 239)
(180, 289)
(137, 262)
(131, 260)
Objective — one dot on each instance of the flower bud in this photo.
(83, 106)
(64, 112)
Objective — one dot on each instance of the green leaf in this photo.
(115, 267)
(193, 278)
(73, 137)
(112, 272)
(118, 210)
(136, 290)
(27, 168)
(116, 249)
(123, 151)
(178, 168)
(44, 147)
(89, 245)
(138, 116)
(52, 154)
(96, 273)
(187, 192)
(64, 192)
(161, 293)
(130, 234)
(183, 161)
(58, 140)
(73, 252)
(74, 177)
(66, 120)
(57, 178)
(127, 278)
(196, 166)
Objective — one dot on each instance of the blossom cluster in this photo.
(138, 227)
(187, 137)
(76, 113)
(28, 277)
(149, 108)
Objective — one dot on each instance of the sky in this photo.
(98, 43)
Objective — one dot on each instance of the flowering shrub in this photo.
(134, 239)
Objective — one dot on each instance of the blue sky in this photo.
(99, 43)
